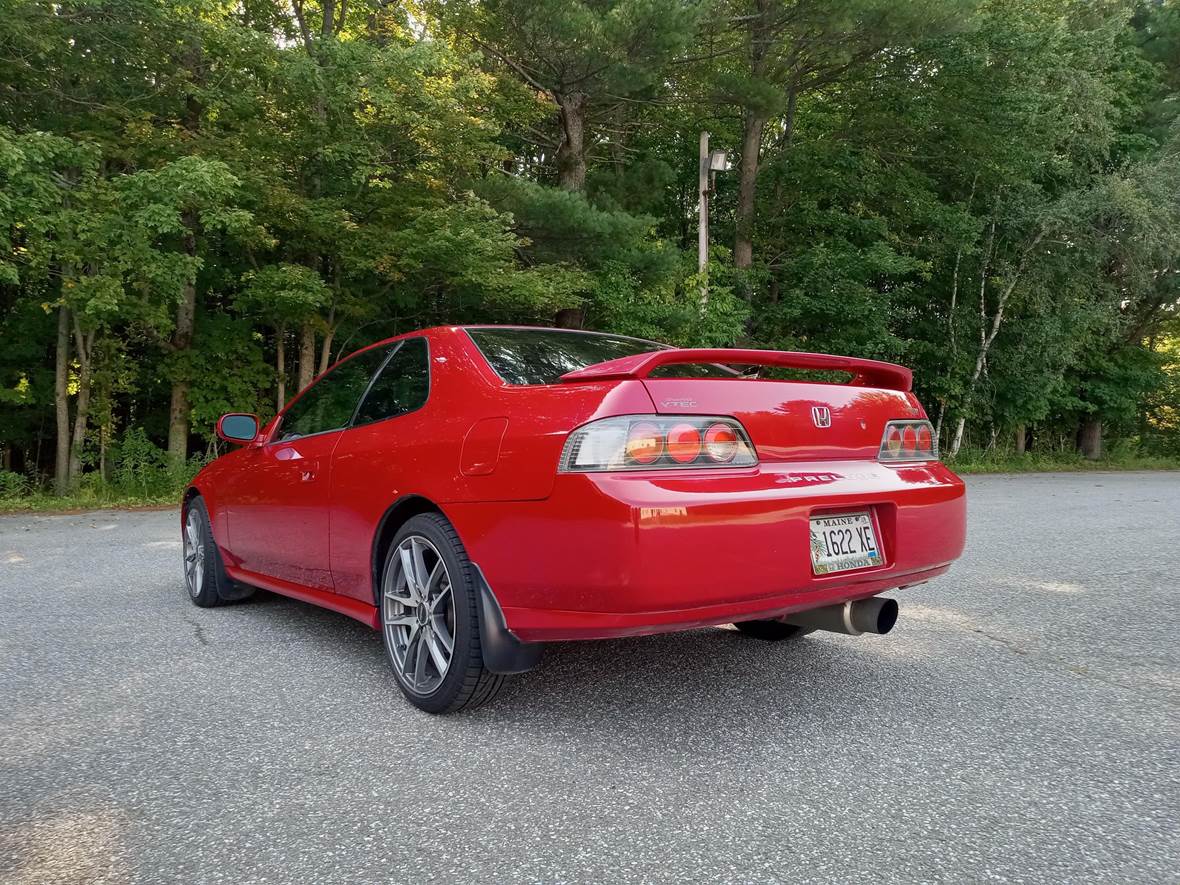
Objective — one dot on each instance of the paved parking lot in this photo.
(1022, 723)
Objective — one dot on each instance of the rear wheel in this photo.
(771, 631)
(430, 619)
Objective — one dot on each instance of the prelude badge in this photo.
(821, 416)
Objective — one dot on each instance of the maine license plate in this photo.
(842, 543)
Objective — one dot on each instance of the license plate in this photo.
(842, 543)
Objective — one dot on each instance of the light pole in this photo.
(708, 164)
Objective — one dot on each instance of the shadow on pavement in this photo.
(706, 681)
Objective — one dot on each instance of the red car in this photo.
(475, 492)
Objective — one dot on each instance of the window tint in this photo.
(542, 356)
(402, 385)
(330, 402)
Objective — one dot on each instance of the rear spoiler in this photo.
(865, 373)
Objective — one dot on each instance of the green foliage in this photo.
(986, 190)
(143, 470)
(677, 311)
(13, 485)
(283, 293)
(228, 371)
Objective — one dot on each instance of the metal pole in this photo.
(703, 218)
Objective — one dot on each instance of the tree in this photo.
(591, 58)
(774, 52)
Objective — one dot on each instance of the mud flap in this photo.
(502, 652)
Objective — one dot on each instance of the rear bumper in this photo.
(627, 554)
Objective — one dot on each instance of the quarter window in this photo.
(402, 386)
(331, 401)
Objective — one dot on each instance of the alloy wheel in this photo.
(194, 553)
(418, 614)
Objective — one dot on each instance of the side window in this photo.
(330, 402)
(402, 386)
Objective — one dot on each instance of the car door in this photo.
(278, 504)
(386, 453)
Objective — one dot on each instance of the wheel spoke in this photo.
(412, 641)
(392, 595)
(408, 575)
(420, 655)
(440, 658)
(421, 576)
(401, 620)
(440, 599)
(436, 574)
(443, 634)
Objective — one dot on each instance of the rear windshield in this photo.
(542, 356)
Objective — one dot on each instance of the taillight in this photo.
(908, 441)
(651, 442)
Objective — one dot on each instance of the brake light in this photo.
(657, 442)
(721, 443)
(684, 443)
(908, 441)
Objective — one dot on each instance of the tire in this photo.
(204, 572)
(771, 631)
(418, 615)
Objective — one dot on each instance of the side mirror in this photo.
(238, 428)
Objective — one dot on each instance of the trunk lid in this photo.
(786, 419)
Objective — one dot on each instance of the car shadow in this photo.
(644, 689)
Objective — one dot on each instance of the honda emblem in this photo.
(822, 416)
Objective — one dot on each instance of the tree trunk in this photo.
(571, 151)
(306, 355)
(1021, 439)
(61, 402)
(326, 350)
(957, 442)
(1090, 438)
(281, 368)
(84, 345)
(326, 347)
(743, 245)
(182, 342)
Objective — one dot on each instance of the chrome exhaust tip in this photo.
(873, 615)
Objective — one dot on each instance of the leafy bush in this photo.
(144, 470)
(13, 485)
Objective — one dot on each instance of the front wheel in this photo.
(430, 619)
(204, 572)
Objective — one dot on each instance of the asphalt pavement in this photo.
(1021, 723)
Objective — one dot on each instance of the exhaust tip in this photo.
(873, 615)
